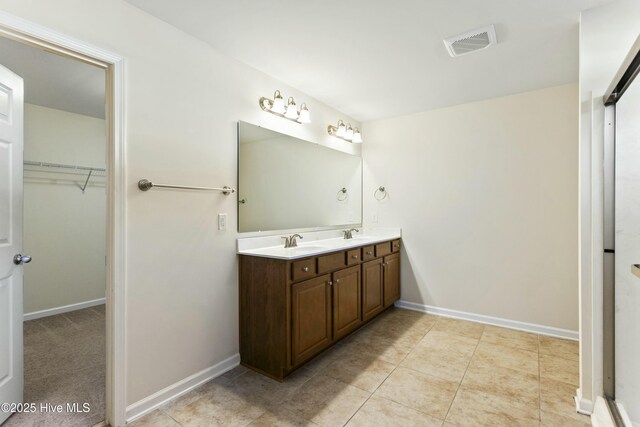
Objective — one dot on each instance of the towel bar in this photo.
(146, 185)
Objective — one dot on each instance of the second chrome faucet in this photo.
(291, 242)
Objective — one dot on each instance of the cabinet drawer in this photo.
(331, 262)
(353, 256)
(395, 246)
(303, 269)
(383, 249)
(368, 253)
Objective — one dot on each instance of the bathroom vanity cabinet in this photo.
(291, 310)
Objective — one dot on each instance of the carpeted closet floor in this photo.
(64, 362)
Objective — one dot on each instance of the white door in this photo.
(11, 274)
(627, 284)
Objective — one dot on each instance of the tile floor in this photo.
(403, 369)
(64, 361)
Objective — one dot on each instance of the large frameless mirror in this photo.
(287, 183)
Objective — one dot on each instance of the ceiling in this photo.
(372, 59)
(55, 81)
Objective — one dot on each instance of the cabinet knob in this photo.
(337, 280)
(369, 253)
(355, 257)
(305, 269)
(330, 283)
(396, 245)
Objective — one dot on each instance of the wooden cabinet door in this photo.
(346, 301)
(311, 316)
(372, 295)
(391, 279)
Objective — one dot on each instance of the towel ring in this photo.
(343, 191)
(380, 190)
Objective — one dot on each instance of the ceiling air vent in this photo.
(471, 41)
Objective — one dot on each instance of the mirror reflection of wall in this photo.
(285, 183)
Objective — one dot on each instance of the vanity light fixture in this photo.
(292, 112)
(345, 132)
(304, 116)
(349, 135)
(357, 137)
(277, 106)
(278, 103)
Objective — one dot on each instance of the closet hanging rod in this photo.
(146, 185)
(62, 166)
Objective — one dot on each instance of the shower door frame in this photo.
(628, 72)
(34, 35)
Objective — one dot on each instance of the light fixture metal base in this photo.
(269, 102)
(332, 130)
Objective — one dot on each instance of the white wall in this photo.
(183, 101)
(64, 229)
(606, 35)
(486, 195)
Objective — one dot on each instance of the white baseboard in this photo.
(625, 417)
(480, 318)
(583, 406)
(63, 309)
(601, 416)
(148, 404)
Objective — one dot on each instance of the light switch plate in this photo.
(222, 221)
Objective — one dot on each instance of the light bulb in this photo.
(292, 112)
(278, 103)
(349, 133)
(357, 136)
(341, 131)
(304, 114)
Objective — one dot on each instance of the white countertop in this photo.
(314, 243)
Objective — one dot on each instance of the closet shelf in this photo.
(61, 168)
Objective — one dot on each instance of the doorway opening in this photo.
(64, 234)
(113, 188)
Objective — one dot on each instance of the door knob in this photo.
(20, 259)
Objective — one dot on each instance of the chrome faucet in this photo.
(348, 233)
(290, 242)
